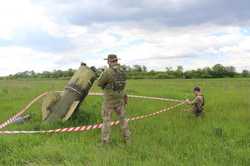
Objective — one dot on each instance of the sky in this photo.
(44, 35)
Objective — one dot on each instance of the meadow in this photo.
(220, 137)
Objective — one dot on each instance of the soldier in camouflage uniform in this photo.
(198, 102)
(113, 82)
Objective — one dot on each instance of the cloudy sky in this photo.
(45, 35)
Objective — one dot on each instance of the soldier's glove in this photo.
(125, 99)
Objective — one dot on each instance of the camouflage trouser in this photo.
(197, 111)
(106, 128)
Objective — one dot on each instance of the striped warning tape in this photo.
(142, 97)
(82, 128)
(13, 118)
(89, 127)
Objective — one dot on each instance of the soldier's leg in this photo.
(120, 111)
(198, 113)
(106, 128)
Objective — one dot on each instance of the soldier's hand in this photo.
(187, 101)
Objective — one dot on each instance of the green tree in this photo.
(137, 68)
(218, 71)
(230, 71)
(179, 72)
(245, 73)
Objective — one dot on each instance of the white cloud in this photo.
(22, 15)
(16, 59)
(192, 46)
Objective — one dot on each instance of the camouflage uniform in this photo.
(198, 104)
(113, 100)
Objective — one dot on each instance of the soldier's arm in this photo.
(196, 100)
(103, 79)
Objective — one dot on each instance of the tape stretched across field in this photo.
(87, 127)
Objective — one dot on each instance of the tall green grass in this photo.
(221, 137)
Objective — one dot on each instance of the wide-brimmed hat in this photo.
(112, 57)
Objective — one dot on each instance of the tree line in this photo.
(141, 72)
(216, 71)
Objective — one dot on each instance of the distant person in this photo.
(113, 82)
(198, 102)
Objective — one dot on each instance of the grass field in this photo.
(221, 137)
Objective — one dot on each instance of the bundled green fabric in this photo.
(61, 106)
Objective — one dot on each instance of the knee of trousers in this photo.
(106, 119)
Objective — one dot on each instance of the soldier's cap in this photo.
(112, 57)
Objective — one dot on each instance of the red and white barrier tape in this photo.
(88, 127)
(82, 128)
(13, 118)
(143, 97)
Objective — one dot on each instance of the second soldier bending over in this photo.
(198, 102)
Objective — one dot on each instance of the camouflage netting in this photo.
(58, 106)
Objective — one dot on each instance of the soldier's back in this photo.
(114, 91)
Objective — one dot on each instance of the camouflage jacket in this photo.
(198, 103)
(111, 96)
